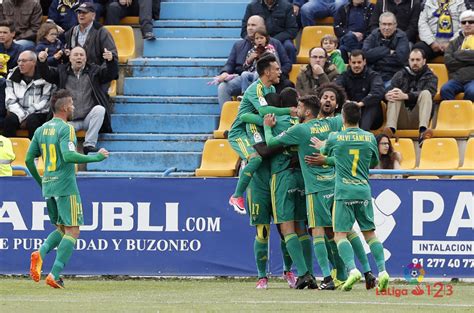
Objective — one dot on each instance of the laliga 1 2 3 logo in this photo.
(414, 273)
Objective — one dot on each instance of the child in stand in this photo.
(47, 38)
(262, 44)
(329, 43)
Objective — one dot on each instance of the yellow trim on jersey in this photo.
(311, 218)
(242, 146)
(259, 90)
(273, 198)
(333, 213)
(253, 128)
(72, 133)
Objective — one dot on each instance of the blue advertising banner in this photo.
(184, 226)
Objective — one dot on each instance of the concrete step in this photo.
(169, 86)
(188, 47)
(202, 10)
(147, 162)
(166, 108)
(164, 123)
(177, 62)
(215, 32)
(166, 99)
(237, 23)
(180, 71)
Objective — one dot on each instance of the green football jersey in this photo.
(282, 161)
(355, 151)
(51, 141)
(254, 98)
(316, 178)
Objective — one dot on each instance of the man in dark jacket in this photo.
(410, 97)
(387, 48)
(26, 16)
(238, 54)
(279, 21)
(459, 59)
(407, 13)
(90, 35)
(351, 25)
(84, 81)
(365, 87)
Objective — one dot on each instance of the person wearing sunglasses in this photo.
(459, 59)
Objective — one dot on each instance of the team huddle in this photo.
(306, 171)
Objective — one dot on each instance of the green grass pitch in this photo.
(218, 295)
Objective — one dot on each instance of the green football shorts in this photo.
(346, 212)
(65, 210)
(288, 202)
(258, 196)
(319, 205)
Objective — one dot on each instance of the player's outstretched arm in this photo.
(74, 157)
(33, 152)
(268, 109)
(251, 118)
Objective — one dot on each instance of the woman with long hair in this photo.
(389, 159)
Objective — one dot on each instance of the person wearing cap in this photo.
(62, 12)
(459, 59)
(90, 35)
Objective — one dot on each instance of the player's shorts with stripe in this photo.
(65, 210)
(288, 201)
(242, 145)
(346, 212)
(258, 196)
(318, 206)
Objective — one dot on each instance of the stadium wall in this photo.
(184, 227)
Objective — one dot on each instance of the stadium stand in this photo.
(124, 40)
(468, 163)
(20, 148)
(295, 69)
(455, 119)
(440, 154)
(441, 72)
(218, 159)
(311, 37)
(228, 114)
(407, 150)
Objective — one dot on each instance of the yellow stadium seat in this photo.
(455, 119)
(124, 40)
(295, 70)
(439, 59)
(24, 133)
(441, 72)
(325, 21)
(311, 37)
(468, 163)
(113, 88)
(228, 115)
(20, 148)
(463, 177)
(423, 177)
(407, 150)
(218, 159)
(130, 20)
(439, 154)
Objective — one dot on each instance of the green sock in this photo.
(340, 266)
(305, 241)
(359, 250)
(296, 252)
(321, 254)
(331, 259)
(65, 249)
(246, 176)
(287, 261)
(377, 251)
(53, 240)
(347, 254)
(260, 250)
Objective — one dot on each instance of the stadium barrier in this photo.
(184, 227)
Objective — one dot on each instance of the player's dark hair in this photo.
(351, 113)
(58, 99)
(9, 24)
(288, 97)
(312, 103)
(265, 62)
(356, 53)
(340, 93)
(273, 99)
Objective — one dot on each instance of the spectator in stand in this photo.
(230, 84)
(315, 9)
(459, 59)
(62, 12)
(26, 97)
(48, 39)
(351, 25)
(261, 45)
(45, 4)
(84, 81)
(406, 13)
(7, 156)
(319, 71)
(387, 48)
(90, 35)
(365, 87)
(118, 9)
(279, 19)
(329, 43)
(438, 22)
(389, 159)
(332, 97)
(410, 98)
(26, 15)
